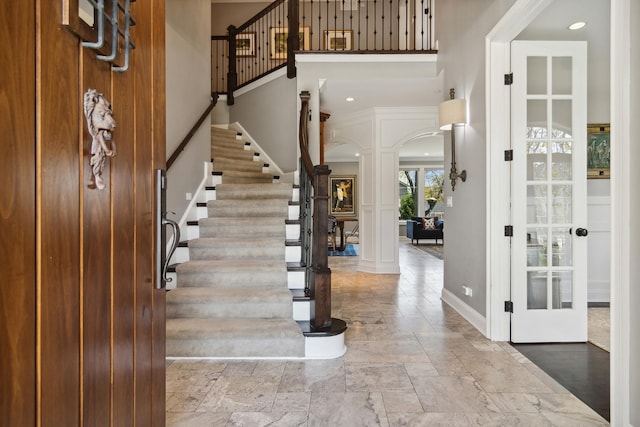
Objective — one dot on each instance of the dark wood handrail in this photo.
(304, 132)
(192, 132)
(259, 15)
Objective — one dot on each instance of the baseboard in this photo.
(378, 268)
(476, 319)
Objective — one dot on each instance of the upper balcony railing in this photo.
(264, 43)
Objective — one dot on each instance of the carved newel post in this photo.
(320, 272)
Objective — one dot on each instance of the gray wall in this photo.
(225, 14)
(269, 113)
(188, 49)
(634, 279)
(462, 55)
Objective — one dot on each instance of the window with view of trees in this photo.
(407, 180)
(433, 198)
(431, 188)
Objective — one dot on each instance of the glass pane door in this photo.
(549, 191)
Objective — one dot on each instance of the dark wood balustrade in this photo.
(264, 44)
(314, 213)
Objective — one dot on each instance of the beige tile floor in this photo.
(411, 361)
(600, 327)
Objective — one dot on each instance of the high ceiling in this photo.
(373, 91)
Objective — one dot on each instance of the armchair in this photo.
(416, 229)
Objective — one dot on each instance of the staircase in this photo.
(232, 297)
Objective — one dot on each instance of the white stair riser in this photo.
(202, 212)
(293, 253)
(293, 231)
(294, 212)
(330, 347)
(295, 279)
(301, 310)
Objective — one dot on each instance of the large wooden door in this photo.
(82, 341)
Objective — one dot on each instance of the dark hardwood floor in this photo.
(582, 368)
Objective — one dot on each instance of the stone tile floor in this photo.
(411, 361)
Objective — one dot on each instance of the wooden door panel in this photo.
(124, 255)
(96, 259)
(144, 76)
(86, 342)
(100, 316)
(17, 215)
(59, 211)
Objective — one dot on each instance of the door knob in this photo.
(581, 232)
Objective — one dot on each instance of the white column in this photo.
(379, 208)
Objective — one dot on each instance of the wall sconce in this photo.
(453, 112)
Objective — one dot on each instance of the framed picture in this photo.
(342, 191)
(246, 44)
(338, 39)
(598, 150)
(278, 41)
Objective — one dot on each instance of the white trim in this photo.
(190, 211)
(621, 215)
(498, 108)
(476, 319)
(498, 190)
(329, 347)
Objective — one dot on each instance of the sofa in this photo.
(419, 228)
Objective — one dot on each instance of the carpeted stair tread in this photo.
(240, 179)
(223, 132)
(226, 140)
(244, 174)
(212, 248)
(232, 273)
(263, 302)
(247, 208)
(242, 227)
(232, 298)
(239, 154)
(264, 266)
(254, 191)
(234, 144)
(234, 337)
(226, 165)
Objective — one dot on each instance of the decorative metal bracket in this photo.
(116, 32)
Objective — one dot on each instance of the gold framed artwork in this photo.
(278, 41)
(246, 44)
(342, 192)
(598, 151)
(338, 39)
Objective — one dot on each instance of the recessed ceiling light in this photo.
(577, 25)
(349, 99)
(426, 154)
(357, 154)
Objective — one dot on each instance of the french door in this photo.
(549, 244)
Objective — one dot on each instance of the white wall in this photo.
(188, 50)
(461, 31)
